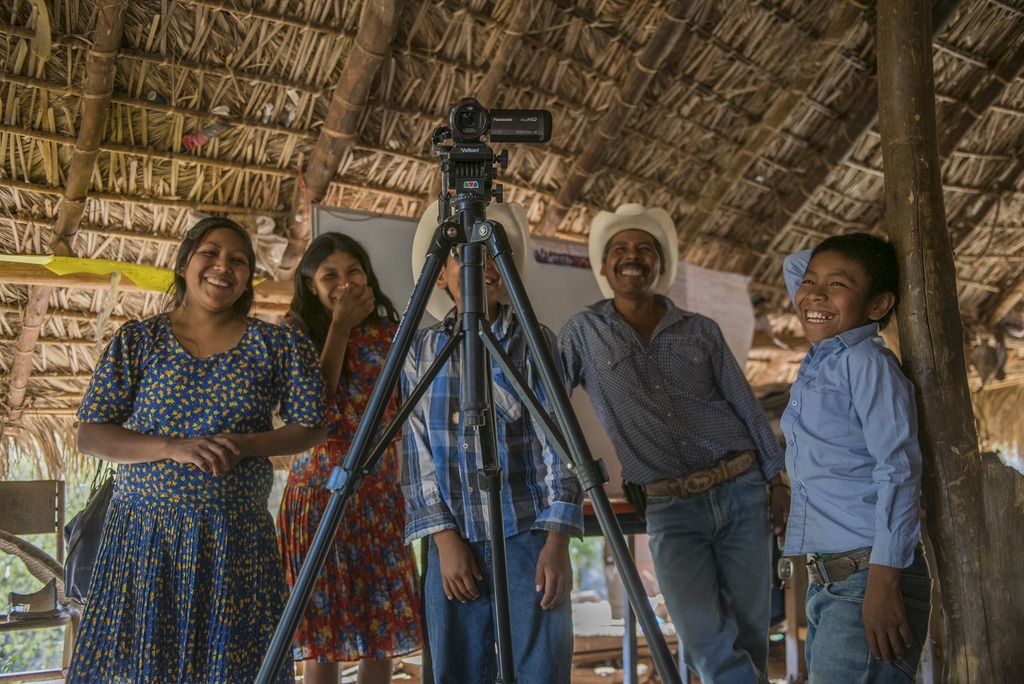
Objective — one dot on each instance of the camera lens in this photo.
(468, 120)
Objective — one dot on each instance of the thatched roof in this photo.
(753, 123)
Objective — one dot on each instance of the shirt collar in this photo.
(845, 340)
(606, 309)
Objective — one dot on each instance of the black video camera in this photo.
(468, 164)
(470, 123)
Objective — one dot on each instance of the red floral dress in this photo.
(365, 603)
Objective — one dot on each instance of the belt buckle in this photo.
(700, 481)
(844, 567)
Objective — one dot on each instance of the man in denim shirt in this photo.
(687, 427)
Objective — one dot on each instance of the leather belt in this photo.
(838, 567)
(703, 480)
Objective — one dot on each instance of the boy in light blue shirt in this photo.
(854, 461)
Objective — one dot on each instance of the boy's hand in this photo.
(554, 571)
(885, 620)
(459, 571)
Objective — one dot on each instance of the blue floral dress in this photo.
(188, 584)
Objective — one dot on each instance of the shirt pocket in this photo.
(614, 357)
(691, 370)
(828, 414)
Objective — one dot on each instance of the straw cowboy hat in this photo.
(510, 215)
(657, 222)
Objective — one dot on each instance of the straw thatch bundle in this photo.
(753, 123)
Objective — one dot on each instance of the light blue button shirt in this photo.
(852, 450)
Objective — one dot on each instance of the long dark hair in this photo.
(306, 310)
(189, 245)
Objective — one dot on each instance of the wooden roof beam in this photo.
(511, 40)
(1002, 76)
(96, 229)
(271, 296)
(99, 83)
(814, 58)
(125, 198)
(632, 89)
(250, 12)
(377, 27)
(160, 60)
(149, 154)
(139, 103)
(857, 123)
(77, 316)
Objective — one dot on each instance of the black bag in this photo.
(83, 534)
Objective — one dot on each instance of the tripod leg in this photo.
(490, 481)
(478, 415)
(589, 472)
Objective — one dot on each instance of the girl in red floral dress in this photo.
(365, 604)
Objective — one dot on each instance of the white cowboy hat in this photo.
(510, 215)
(657, 222)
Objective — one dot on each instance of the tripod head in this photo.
(468, 164)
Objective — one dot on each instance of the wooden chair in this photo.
(37, 508)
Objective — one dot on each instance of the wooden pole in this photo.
(645, 67)
(377, 27)
(814, 58)
(272, 297)
(99, 83)
(976, 525)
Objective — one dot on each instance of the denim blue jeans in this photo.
(462, 635)
(712, 556)
(837, 647)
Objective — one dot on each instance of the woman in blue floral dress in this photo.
(188, 584)
(365, 603)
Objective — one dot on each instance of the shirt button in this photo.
(469, 488)
(794, 402)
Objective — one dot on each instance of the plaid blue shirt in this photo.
(442, 456)
(677, 404)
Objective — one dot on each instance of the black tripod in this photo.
(468, 229)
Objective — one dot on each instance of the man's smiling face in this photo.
(632, 264)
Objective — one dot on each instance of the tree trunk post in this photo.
(981, 585)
